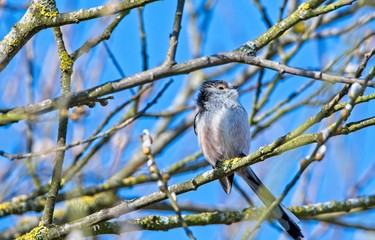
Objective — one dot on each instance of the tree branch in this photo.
(157, 73)
(66, 66)
(227, 167)
(164, 223)
(41, 16)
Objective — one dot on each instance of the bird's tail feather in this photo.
(285, 217)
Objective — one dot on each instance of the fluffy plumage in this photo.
(223, 132)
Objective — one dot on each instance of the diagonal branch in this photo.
(227, 167)
(305, 11)
(41, 15)
(79, 98)
(164, 223)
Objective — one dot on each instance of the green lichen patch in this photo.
(151, 222)
(66, 62)
(11, 41)
(304, 6)
(38, 233)
(49, 13)
(6, 207)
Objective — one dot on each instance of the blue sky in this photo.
(232, 23)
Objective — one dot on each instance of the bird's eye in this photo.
(221, 87)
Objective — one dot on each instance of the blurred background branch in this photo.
(94, 87)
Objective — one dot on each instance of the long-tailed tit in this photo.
(223, 132)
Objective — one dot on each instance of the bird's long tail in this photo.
(286, 218)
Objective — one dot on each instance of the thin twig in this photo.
(255, 106)
(142, 33)
(151, 75)
(106, 121)
(29, 130)
(66, 67)
(263, 13)
(173, 42)
(105, 35)
(326, 134)
(281, 10)
(337, 222)
(96, 135)
(146, 140)
(20, 205)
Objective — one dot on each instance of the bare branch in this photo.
(30, 23)
(66, 66)
(154, 74)
(224, 217)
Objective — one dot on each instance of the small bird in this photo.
(223, 132)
